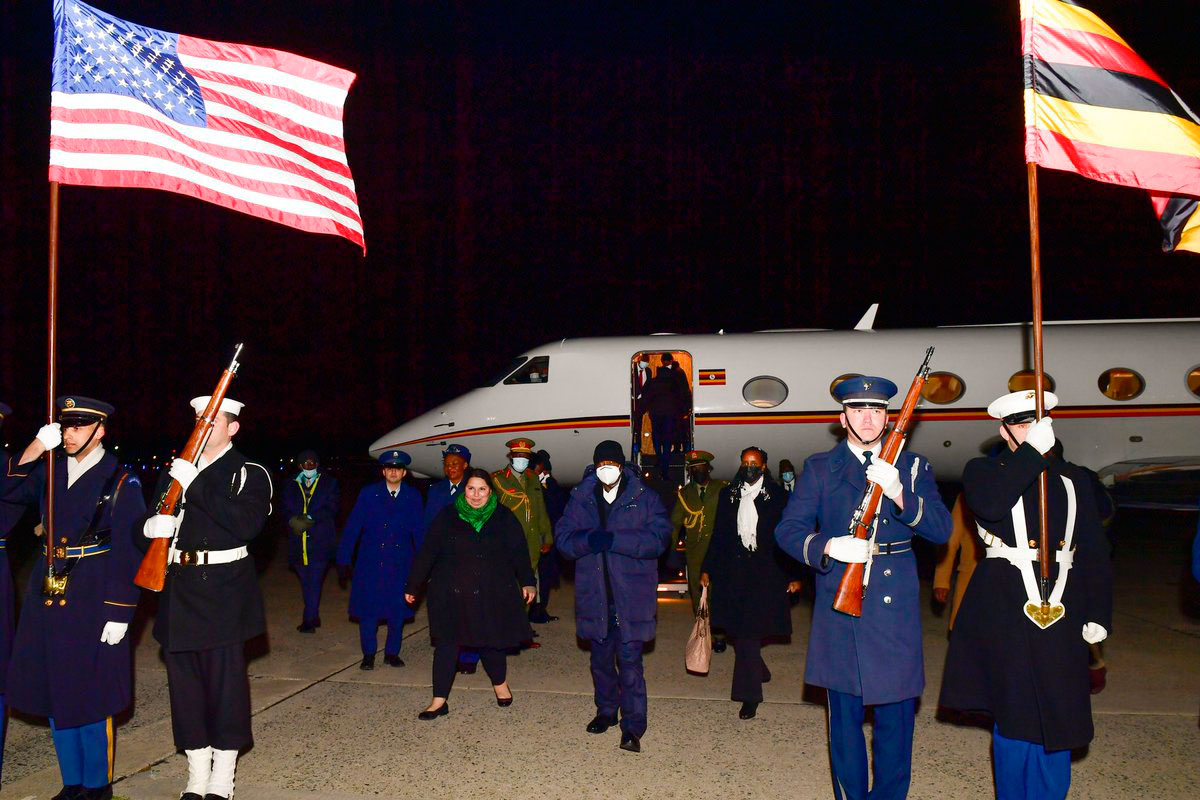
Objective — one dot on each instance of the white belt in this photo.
(196, 558)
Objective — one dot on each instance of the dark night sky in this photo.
(529, 172)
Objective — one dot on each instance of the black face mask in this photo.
(751, 474)
(699, 476)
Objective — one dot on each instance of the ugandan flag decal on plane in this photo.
(712, 377)
(1094, 107)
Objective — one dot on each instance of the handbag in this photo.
(697, 653)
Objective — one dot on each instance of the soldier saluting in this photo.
(70, 659)
(211, 603)
(1029, 670)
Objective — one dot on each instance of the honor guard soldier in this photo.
(10, 515)
(70, 659)
(211, 604)
(876, 659)
(387, 527)
(520, 491)
(695, 512)
(311, 504)
(1023, 661)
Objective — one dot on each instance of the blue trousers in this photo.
(619, 681)
(891, 745)
(85, 753)
(312, 579)
(662, 433)
(367, 636)
(1025, 771)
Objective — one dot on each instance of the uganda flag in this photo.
(1094, 107)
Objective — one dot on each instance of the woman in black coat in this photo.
(480, 579)
(746, 575)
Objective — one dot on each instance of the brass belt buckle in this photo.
(60, 552)
(186, 557)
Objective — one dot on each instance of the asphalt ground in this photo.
(325, 729)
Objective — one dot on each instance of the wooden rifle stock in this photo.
(152, 573)
(850, 592)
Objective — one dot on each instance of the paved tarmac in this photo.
(325, 729)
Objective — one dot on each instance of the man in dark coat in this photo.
(10, 515)
(1008, 656)
(666, 399)
(311, 504)
(70, 659)
(746, 574)
(876, 659)
(386, 526)
(615, 528)
(211, 604)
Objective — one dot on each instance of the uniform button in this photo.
(887, 600)
(885, 522)
(887, 573)
(63, 540)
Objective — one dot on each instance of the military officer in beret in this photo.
(520, 491)
(695, 512)
(1029, 671)
(876, 659)
(311, 503)
(10, 514)
(211, 604)
(70, 659)
(387, 528)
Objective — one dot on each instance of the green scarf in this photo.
(475, 517)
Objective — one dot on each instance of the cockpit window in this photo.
(537, 370)
(508, 370)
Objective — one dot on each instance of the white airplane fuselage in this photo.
(586, 395)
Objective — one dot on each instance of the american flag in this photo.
(255, 130)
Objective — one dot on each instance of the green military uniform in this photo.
(696, 512)
(522, 494)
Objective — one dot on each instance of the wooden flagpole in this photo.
(52, 348)
(1039, 381)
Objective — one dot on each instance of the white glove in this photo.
(1041, 435)
(160, 526)
(184, 471)
(1093, 633)
(50, 435)
(848, 549)
(887, 476)
(113, 632)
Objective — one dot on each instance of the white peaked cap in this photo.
(1022, 402)
(227, 405)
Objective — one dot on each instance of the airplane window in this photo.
(537, 370)
(1120, 383)
(838, 380)
(1022, 380)
(508, 370)
(943, 387)
(765, 391)
(1193, 381)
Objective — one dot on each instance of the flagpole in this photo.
(52, 347)
(1039, 378)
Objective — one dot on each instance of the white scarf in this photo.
(76, 467)
(747, 515)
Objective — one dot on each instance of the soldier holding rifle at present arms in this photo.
(876, 659)
(1029, 670)
(211, 603)
(70, 659)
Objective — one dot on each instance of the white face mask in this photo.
(308, 474)
(608, 474)
(519, 464)
(643, 364)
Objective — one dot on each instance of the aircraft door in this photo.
(662, 392)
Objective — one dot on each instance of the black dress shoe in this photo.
(718, 645)
(73, 792)
(749, 710)
(215, 797)
(766, 674)
(190, 796)
(601, 723)
(504, 702)
(631, 743)
(467, 667)
(316, 622)
(441, 712)
(368, 662)
(393, 661)
(306, 627)
(98, 793)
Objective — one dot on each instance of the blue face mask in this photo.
(519, 464)
(308, 474)
(787, 476)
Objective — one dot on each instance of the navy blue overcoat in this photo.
(877, 656)
(318, 545)
(387, 531)
(439, 497)
(59, 666)
(10, 515)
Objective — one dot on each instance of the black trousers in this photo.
(210, 698)
(445, 665)
(749, 670)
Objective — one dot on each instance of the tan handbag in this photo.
(697, 653)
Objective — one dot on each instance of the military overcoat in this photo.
(697, 518)
(387, 531)
(522, 494)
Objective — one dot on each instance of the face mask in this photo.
(519, 464)
(308, 474)
(752, 474)
(545, 476)
(643, 365)
(608, 474)
(787, 476)
(700, 476)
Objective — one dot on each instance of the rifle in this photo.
(853, 588)
(152, 574)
